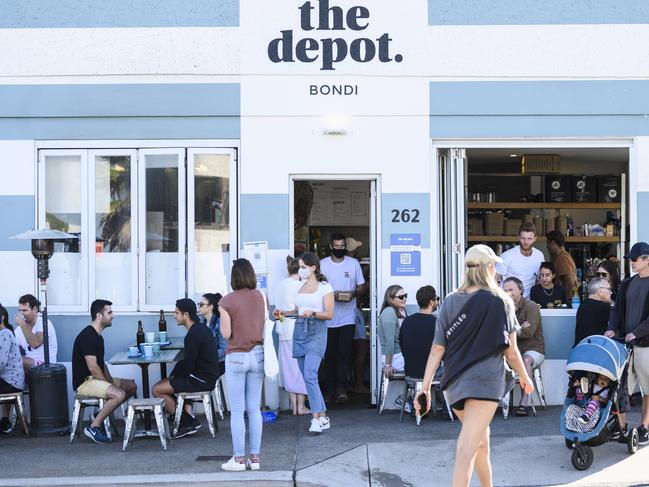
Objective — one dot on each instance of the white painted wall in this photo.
(17, 168)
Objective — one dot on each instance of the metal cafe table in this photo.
(175, 343)
(162, 358)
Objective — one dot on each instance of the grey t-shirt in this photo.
(636, 296)
(484, 379)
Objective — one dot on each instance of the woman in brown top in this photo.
(243, 314)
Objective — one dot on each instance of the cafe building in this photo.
(172, 139)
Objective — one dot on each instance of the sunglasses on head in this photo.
(601, 274)
(402, 296)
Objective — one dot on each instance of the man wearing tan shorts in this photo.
(90, 375)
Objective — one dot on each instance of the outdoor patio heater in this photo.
(48, 390)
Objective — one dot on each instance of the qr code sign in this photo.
(405, 259)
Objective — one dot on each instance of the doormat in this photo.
(214, 458)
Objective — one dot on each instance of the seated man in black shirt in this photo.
(197, 372)
(417, 333)
(593, 314)
(90, 376)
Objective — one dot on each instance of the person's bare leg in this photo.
(292, 399)
(645, 411)
(528, 367)
(114, 397)
(476, 417)
(483, 461)
(164, 390)
(301, 406)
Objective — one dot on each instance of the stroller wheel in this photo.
(632, 441)
(569, 444)
(582, 457)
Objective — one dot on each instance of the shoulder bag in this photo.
(271, 365)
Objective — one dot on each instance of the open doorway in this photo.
(323, 208)
(487, 193)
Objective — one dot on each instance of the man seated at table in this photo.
(197, 372)
(529, 334)
(29, 332)
(90, 375)
(417, 332)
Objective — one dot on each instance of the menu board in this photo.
(340, 203)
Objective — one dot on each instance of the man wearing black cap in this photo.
(198, 371)
(630, 318)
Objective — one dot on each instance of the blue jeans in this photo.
(309, 365)
(244, 377)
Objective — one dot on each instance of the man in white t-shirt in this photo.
(29, 332)
(523, 261)
(345, 276)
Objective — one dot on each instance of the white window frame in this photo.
(83, 148)
(191, 208)
(92, 227)
(182, 225)
(85, 236)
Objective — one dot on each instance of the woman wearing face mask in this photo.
(315, 305)
(547, 294)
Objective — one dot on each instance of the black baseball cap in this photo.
(638, 250)
(187, 305)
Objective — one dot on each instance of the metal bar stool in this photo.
(411, 384)
(206, 398)
(15, 399)
(507, 401)
(83, 402)
(540, 391)
(148, 404)
(218, 399)
(383, 388)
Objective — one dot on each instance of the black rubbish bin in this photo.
(48, 399)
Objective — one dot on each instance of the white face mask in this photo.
(304, 273)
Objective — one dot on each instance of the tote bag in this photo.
(271, 365)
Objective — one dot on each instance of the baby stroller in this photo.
(594, 355)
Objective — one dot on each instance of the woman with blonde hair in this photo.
(475, 333)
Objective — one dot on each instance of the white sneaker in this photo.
(233, 466)
(253, 464)
(316, 426)
(325, 424)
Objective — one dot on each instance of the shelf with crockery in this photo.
(514, 239)
(538, 206)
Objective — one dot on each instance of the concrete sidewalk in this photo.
(361, 447)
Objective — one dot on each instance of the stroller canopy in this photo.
(599, 355)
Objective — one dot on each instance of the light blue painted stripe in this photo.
(539, 126)
(265, 217)
(624, 97)
(642, 212)
(121, 128)
(117, 338)
(16, 216)
(121, 100)
(33, 14)
(400, 202)
(533, 12)
(559, 335)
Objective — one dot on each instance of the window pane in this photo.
(162, 229)
(63, 212)
(211, 223)
(113, 258)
